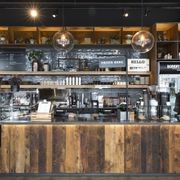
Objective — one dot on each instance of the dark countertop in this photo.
(89, 123)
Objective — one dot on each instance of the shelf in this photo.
(22, 45)
(164, 26)
(78, 73)
(175, 59)
(167, 42)
(77, 86)
(86, 108)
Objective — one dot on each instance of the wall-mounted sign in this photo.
(113, 62)
(169, 68)
(140, 65)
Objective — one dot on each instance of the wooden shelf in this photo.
(50, 29)
(167, 42)
(168, 59)
(164, 26)
(78, 73)
(77, 86)
(133, 29)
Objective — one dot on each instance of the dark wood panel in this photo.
(156, 149)
(34, 149)
(150, 149)
(42, 149)
(164, 139)
(58, 148)
(92, 148)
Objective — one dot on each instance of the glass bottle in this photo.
(35, 65)
(172, 100)
(153, 108)
(141, 110)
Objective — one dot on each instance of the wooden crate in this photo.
(45, 117)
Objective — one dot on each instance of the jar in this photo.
(46, 66)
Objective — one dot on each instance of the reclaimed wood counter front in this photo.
(90, 148)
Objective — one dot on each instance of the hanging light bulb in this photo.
(63, 41)
(143, 41)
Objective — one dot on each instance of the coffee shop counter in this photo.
(90, 148)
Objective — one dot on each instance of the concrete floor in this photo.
(90, 177)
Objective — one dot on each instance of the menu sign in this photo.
(169, 67)
(140, 65)
(113, 62)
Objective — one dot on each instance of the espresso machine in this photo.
(169, 78)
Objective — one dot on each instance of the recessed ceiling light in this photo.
(33, 13)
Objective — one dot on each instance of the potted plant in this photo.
(35, 57)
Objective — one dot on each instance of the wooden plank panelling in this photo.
(155, 149)
(150, 149)
(72, 156)
(19, 149)
(12, 150)
(90, 148)
(146, 149)
(27, 149)
(49, 146)
(114, 149)
(0, 149)
(5, 148)
(171, 149)
(34, 148)
(42, 149)
(176, 136)
(132, 148)
(164, 148)
(58, 148)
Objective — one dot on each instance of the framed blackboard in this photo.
(12, 60)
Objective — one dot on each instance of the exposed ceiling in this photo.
(90, 12)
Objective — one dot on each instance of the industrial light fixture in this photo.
(33, 13)
(143, 40)
(146, 12)
(125, 13)
(63, 40)
(55, 13)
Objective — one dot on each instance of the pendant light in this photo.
(63, 40)
(143, 40)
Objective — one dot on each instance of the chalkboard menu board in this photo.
(12, 59)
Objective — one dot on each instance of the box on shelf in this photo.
(41, 117)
